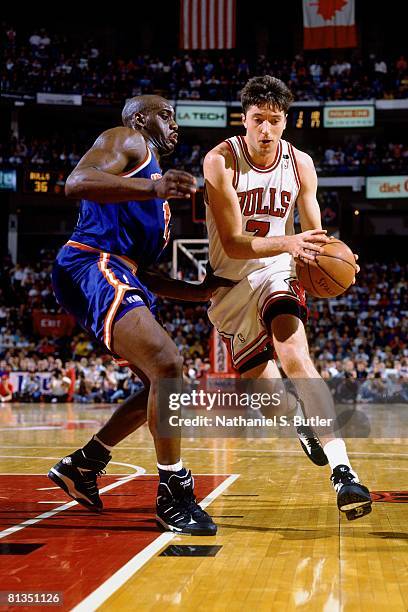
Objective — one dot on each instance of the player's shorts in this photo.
(242, 314)
(98, 289)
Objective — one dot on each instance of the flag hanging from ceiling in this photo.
(329, 24)
(207, 24)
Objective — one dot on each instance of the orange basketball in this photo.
(333, 274)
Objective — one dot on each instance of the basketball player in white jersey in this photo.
(252, 185)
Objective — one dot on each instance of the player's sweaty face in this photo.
(161, 128)
(264, 125)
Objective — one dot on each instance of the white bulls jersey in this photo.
(267, 197)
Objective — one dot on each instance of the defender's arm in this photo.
(171, 288)
(96, 177)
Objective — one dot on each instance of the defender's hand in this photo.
(175, 184)
(211, 283)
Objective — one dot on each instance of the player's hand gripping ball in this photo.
(333, 272)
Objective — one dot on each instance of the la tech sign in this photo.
(201, 115)
(387, 187)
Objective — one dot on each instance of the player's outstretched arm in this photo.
(97, 175)
(224, 205)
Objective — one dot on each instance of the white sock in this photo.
(336, 453)
(175, 467)
(109, 448)
(299, 412)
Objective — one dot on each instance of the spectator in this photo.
(82, 389)
(60, 385)
(6, 389)
(35, 39)
(30, 389)
(45, 40)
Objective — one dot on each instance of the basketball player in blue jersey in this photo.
(99, 276)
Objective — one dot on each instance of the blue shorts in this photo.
(98, 288)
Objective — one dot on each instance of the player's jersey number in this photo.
(258, 228)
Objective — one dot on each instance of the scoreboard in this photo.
(308, 117)
(43, 182)
(311, 117)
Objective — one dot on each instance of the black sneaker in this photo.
(353, 498)
(311, 445)
(76, 475)
(178, 511)
(309, 440)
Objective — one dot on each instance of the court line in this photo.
(138, 470)
(110, 586)
(111, 475)
(45, 515)
(31, 428)
(388, 455)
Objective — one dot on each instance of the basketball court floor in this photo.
(281, 543)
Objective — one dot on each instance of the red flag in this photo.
(207, 24)
(329, 24)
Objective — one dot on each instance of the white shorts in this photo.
(242, 314)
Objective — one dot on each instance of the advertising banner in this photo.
(348, 116)
(56, 98)
(387, 187)
(201, 115)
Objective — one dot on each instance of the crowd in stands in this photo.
(56, 153)
(360, 336)
(27, 288)
(45, 62)
(362, 158)
(354, 157)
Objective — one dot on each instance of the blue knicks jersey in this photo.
(138, 230)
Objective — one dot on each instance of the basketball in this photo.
(334, 271)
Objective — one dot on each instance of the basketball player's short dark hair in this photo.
(266, 89)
